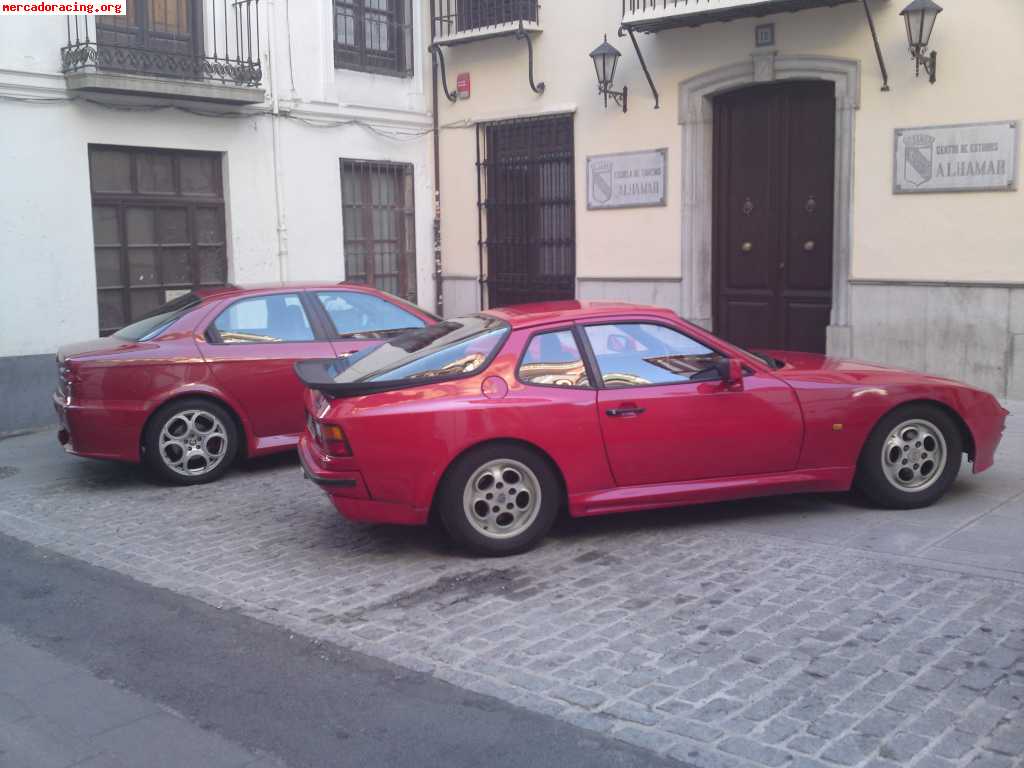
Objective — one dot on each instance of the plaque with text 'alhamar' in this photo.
(975, 157)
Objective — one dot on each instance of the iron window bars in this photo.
(527, 209)
(379, 219)
(453, 16)
(158, 228)
(374, 36)
(205, 40)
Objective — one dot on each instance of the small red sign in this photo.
(463, 85)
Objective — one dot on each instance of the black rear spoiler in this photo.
(321, 375)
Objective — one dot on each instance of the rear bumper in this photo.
(99, 430)
(348, 492)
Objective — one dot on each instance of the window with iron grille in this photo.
(528, 209)
(374, 36)
(378, 210)
(452, 16)
(158, 228)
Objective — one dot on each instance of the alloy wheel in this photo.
(914, 455)
(502, 498)
(193, 442)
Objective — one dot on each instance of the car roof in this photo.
(542, 313)
(232, 288)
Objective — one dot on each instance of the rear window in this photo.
(456, 347)
(157, 321)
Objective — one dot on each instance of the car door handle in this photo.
(625, 411)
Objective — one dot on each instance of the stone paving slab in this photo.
(789, 632)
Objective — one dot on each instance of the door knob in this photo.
(747, 247)
(809, 246)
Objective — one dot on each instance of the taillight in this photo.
(333, 438)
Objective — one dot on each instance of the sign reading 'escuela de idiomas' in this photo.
(626, 179)
(956, 158)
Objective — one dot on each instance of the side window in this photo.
(263, 319)
(554, 360)
(637, 354)
(356, 314)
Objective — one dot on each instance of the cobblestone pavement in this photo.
(804, 631)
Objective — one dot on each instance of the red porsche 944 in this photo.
(494, 422)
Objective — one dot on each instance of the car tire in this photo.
(911, 458)
(499, 499)
(191, 441)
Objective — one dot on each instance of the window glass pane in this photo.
(139, 227)
(213, 266)
(451, 347)
(172, 224)
(278, 317)
(142, 266)
(111, 305)
(199, 175)
(155, 171)
(108, 267)
(176, 264)
(159, 318)
(104, 226)
(143, 302)
(169, 16)
(209, 230)
(354, 313)
(635, 354)
(553, 359)
(110, 170)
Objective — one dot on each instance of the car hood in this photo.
(96, 348)
(822, 367)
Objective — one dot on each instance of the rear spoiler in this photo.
(322, 375)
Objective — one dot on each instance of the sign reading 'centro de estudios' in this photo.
(956, 158)
(627, 179)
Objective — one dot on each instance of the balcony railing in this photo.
(456, 20)
(651, 15)
(204, 41)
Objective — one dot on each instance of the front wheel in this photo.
(911, 458)
(191, 441)
(499, 499)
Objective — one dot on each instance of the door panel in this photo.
(256, 370)
(697, 431)
(773, 195)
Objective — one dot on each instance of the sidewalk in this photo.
(53, 714)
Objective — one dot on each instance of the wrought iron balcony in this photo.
(197, 49)
(655, 15)
(457, 21)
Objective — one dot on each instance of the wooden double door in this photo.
(774, 170)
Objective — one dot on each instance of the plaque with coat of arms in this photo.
(627, 179)
(956, 158)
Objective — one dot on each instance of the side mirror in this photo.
(730, 371)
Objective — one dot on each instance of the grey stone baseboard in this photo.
(659, 291)
(26, 385)
(970, 332)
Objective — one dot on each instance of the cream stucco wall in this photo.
(971, 237)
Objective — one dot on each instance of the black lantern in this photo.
(920, 17)
(606, 59)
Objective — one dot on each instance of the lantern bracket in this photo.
(643, 63)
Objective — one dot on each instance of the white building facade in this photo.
(780, 171)
(203, 142)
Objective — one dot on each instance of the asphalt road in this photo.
(263, 688)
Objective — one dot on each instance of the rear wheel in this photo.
(191, 441)
(911, 458)
(499, 499)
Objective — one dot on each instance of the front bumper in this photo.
(348, 492)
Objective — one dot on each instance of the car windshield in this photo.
(452, 347)
(154, 323)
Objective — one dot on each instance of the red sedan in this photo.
(493, 422)
(208, 376)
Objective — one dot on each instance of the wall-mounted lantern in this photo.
(920, 17)
(606, 59)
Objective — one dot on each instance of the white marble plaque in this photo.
(627, 179)
(956, 158)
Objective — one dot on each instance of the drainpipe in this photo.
(278, 166)
(438, 275)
